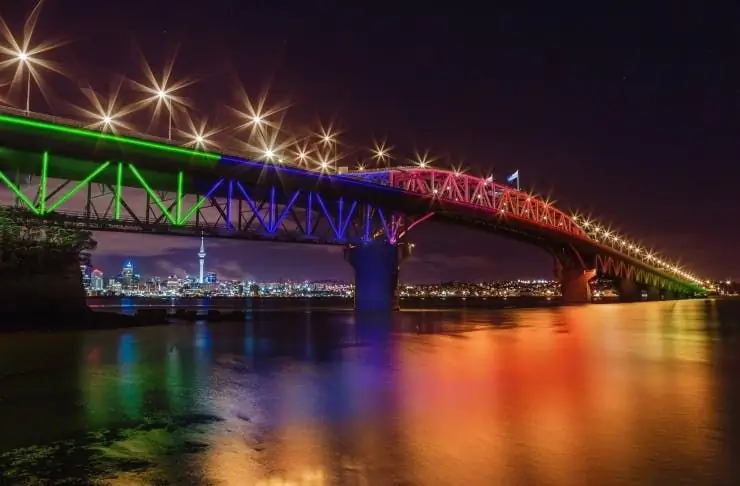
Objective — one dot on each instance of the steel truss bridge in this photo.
(104, 182)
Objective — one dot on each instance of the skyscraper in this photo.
(96, 279)
(202, 258)
(127, 275)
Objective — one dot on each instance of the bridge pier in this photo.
(574, 285)
(376, 265)
(629, 290)
(668, 295)
(653, 293)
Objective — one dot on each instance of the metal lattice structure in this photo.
(119, 197)
(500, 199)
(108, 182)
(581, 249)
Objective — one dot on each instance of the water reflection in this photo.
(608, 394)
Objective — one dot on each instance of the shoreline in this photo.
(157, 312)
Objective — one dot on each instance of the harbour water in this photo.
(611, 394)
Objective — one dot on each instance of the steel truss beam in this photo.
(227, 208)
(614, 267)
(506, 202)
(118, 196)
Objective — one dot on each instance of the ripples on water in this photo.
(643, 393)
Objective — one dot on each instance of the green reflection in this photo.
(130, 381)
(174, 380)
(95, 389)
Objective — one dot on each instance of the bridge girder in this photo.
(514, 206)
(119, 197)
(344, 220)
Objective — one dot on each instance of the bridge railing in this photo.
(33, 115)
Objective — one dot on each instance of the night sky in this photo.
(631, 115)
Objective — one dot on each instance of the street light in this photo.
(328, 140)
(381, 153)
(162, 91)
(23, 61)
(163, 96)
(200, 138)
(105, 113)
(23, 55)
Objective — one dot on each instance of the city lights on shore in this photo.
(260, 133)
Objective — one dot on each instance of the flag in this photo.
(513, 177)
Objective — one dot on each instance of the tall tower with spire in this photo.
(202, 257)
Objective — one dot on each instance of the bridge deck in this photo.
(74, 152)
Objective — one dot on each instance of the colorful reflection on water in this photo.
(603, 394)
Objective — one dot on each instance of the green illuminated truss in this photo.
(44, 206)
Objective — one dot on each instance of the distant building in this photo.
(201, 258)
(85, 271)
(127, 275)
(96, 280)
(173, 283)
(211, 278)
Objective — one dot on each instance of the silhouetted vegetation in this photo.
(30, 245)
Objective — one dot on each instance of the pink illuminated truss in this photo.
(477, 192)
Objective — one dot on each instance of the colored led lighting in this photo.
(42, 188)
(178, 203)
(77, 187)
(18, 193)
(83, 133)
(119, 188)
(282, 168)
(153, 195)
(200, 202)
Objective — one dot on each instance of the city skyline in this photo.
(183, 259)
(587, 165)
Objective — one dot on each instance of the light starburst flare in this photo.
(302, 153)
(256, 115)
(162, 93)
(199, 136)
(107, 116)
(27, 57)
(423, 160)
(381, 153)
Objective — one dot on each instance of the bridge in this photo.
(82, 178)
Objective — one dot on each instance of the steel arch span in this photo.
(501, 200)
(577, 254)
(120, 183)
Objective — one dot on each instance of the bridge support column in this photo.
(574, 285)
(629, 290)
(653, 293)
(376, 267)
(668, 295)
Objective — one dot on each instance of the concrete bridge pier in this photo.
(376, 265)
(574, 285)
(668, 294)
(653, 293)
(629, 290)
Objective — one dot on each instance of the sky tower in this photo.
(202, 257)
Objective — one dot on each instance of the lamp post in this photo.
(24, 59)
(166, 99)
